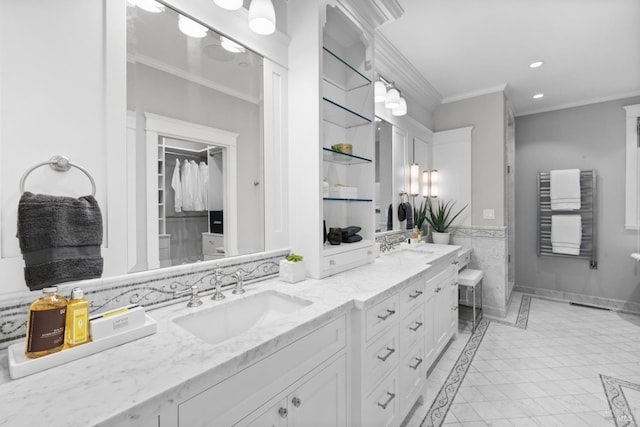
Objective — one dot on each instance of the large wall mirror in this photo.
(128, 97)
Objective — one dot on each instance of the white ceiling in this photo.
(590, 48)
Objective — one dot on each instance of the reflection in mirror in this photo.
(194, 98)
(384, 177)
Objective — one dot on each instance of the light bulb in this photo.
(262, 17)
(434, 184)
(401, 109)
(393, 99)
(230, 45)
(414, 183)
(379, 91)
(229, 4)
(191, 28)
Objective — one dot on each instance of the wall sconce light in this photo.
(229, 4)
(414, 179)
(430, 183)
(148, 5)
(262, 17)
(191, 28)
(384, 91)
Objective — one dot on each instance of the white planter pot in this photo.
(292, 272)
(440, 238)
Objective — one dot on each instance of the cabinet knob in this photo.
(436, 290)
(296, 402)
(332, 262)
(283, 412)
(454, 308)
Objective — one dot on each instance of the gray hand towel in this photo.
(59, 238)
(390, 217)
(409, 211)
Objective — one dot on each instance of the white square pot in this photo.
(292, 272)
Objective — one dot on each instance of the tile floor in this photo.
(547, 363)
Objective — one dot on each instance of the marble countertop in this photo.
(134, 380)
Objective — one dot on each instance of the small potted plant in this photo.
(440, 217)
(292, 268)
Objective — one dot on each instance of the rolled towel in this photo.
(566, 234)
(59, 238)
(351, 239)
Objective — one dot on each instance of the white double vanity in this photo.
(349, 350)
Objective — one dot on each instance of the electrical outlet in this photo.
(488, 214)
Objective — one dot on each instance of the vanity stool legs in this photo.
(471, 281)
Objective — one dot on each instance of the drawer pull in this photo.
(389, 399)
(414, 367)
(386, 316)
(455, 262)
(454, 308)
(283, 412)
(332, 262)
(390, 351)
(416, 295)
(436, 290)
(296, 402)
(418, 325)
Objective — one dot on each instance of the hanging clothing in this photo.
(204, 184)
(198, 204)
(176, 184)
(187, 187)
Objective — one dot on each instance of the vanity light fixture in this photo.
(147, 5)
(393, 99)
(414, 179)
(229, 4)
(191, 28)
(401, 110)
(231, 46)
(433, 183)
(379, 91)
(425, 184)
(262, 17)
(538, 95)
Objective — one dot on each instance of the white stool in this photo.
(471, 280)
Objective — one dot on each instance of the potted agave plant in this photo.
(420, 216)
(292, 269)
(439, 215)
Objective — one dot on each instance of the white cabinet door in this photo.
(442, 314)
(429, 330)
(321, 401)
(274, 416)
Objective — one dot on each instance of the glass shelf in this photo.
(349, 78)
(341, 116)
(342, 158)
(335, 199)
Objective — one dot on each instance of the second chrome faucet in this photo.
(217, 296)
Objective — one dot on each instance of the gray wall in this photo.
(486, 114)
(587, 137)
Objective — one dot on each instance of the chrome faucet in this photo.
(195, 298)
(217, 296)
(238, 290)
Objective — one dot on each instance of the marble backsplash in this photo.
(152, 288)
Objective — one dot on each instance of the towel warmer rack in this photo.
(59, 164)
(588, 212)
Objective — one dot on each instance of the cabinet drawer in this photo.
(412, 295)
(381, 407)
(381, 356)
(412, 378)
(218, 404)
(211, 243)
(382, 315)
(464, 259)
(340, 261)
(437, 283)
(412, 329)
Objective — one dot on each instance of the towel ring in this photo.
(404, 194)
(59, 164)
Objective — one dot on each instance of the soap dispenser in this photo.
(45, 324)
(77, 320)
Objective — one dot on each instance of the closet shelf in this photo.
(336, 199)
(334, 156)
(347, 78)
(342, 116)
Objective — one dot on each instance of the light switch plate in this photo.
(488, 214)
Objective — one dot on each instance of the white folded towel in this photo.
(565, 189)
(566, 234)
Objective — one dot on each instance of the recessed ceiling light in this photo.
(538, 95)
(536, 64)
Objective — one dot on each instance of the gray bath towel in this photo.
(59, 238)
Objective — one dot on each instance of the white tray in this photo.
(20, 366)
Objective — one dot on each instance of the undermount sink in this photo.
(229, 319)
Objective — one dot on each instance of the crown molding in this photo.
(391, 64)
(473, 94)
(374, 12)
(580, 103)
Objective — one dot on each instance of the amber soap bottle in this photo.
(45, 324)
(76, 328)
